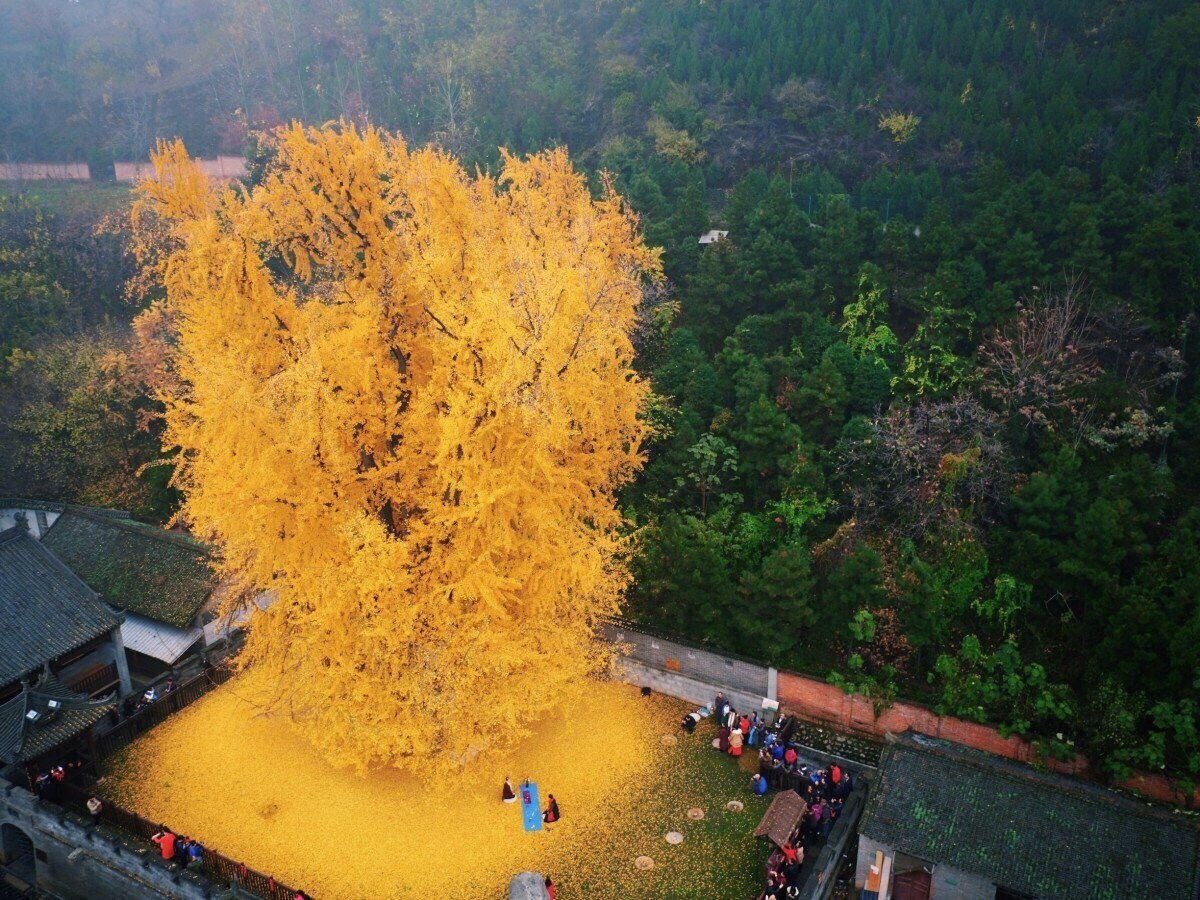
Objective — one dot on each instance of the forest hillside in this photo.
(926, 418)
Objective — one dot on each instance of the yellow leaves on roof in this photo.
(403, 400)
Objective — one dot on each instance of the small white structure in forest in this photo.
(711, 237)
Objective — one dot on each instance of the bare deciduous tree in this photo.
(927, 467)
(454, 97)
(1037, 366)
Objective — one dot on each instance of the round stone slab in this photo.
(695, 814)
(674, 837)
(669, 740)
(735, 806)
(644, 863)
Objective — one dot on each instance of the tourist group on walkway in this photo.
(184, 852)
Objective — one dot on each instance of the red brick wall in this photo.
(821, 703)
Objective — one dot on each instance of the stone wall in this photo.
(692, 673)
(42, 171)
(692, 662)
(76, 862)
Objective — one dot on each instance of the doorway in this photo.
(911, 885)
(16, 855)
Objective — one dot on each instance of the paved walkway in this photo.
(824, 746)
(675, 685)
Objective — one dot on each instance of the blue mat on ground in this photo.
(531, 806)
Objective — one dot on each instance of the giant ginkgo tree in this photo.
(400, 400)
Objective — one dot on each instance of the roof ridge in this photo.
(1003, 766)
(11, 502)
(133, 526)
(51, 558)
(29, 502)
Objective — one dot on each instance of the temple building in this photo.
(160, 580)
(60, 648)
(945, 820)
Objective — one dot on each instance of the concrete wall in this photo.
(221, 168)
(947, 883)
(867, 848)
(40, 171)
(75, 863)
(693, 663)
(953, 884)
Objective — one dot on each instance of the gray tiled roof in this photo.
(135, 567)
(56, 506)
(45, 610)
(22, 738)
(1040, 834)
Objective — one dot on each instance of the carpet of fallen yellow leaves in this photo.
(243, 783)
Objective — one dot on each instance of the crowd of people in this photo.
(47, 783)
(780, 767)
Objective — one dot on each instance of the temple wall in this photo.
(75, 862)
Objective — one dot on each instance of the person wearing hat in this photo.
(507, 794)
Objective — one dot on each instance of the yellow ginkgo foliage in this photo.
(402, 401)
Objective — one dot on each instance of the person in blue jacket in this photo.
(758, 784)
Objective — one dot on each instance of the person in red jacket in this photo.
(551, 892)
(166, 843)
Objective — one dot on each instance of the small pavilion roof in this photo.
(782, 816)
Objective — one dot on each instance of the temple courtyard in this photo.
(622, 770)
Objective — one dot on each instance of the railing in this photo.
(96, 682)
(823, 878)
(215, 866)
(152, 714)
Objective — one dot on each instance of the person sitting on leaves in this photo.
(692, 719)
(551, 814)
